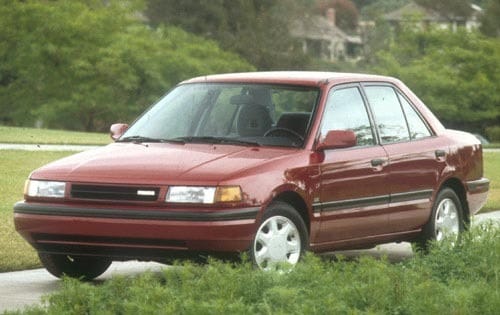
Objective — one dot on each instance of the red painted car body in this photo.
(347, 196)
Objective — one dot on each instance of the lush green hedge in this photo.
(461, 280)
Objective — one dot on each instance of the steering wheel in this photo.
(274, 130)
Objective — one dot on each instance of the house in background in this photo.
(423, 17)
(322, 39)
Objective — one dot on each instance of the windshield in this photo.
(246, 114)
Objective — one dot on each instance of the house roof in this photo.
(319, 27)
(316, 27)
(413, 9)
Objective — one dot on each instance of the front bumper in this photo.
(133, 233)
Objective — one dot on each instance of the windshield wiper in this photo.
(141, 139)
(220, 140)
(239, 141)
(138, 139)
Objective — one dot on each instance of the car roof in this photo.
(310, 78)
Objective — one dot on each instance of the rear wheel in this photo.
(446, 221)
(82, 267)
(281, 237)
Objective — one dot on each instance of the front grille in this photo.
(102, 192)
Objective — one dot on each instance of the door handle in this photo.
(378, 162)
(440, 153)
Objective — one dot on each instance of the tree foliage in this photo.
(490, 22)
(84, 64)
(456, 74)
(361, 3)
(257, 30)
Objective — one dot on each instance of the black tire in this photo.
(84, 268)
(446, 220)
(281, 237)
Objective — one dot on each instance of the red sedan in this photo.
(273, 164)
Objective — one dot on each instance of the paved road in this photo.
(23, 288)
(491, 150)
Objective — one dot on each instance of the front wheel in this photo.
(446, 221)
(82, 267)
(282, 237)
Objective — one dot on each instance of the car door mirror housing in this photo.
(337, 139)
(117, 130)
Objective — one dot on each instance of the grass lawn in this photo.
(15, 167)
(46, 136)
(492, 171)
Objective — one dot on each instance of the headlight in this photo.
(195, 194)
(191, 194)
(39, 188)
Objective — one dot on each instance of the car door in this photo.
(415, 156)
(353, 181)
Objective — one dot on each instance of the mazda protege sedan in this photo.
(273, 164)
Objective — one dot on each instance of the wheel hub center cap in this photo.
(277, 247)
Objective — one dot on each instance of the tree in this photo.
(83, 64)
(490, 22)
(459, 83)
(361, 3)
(257, 30)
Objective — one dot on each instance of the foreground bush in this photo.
(460, 280)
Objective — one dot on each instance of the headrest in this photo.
(241, 99)
(253, 120)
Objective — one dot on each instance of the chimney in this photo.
(330, 15)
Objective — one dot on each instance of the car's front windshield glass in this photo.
(245, 114)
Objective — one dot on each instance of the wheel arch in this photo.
(296, 201)
(456, 185)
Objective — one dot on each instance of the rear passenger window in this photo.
(389, 117)
(418, 129)
(345, 110)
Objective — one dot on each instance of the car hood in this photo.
(160, 163)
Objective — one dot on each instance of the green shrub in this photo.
(450, 280)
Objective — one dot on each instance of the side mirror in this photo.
(117, 130)
(337, 139)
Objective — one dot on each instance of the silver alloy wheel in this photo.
(447, 222)
(277, 241)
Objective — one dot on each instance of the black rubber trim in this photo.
(480, 185)
(411, 196)
(372, 201)
(219, 215)
(351, 203)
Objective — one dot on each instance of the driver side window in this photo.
(346, 110)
